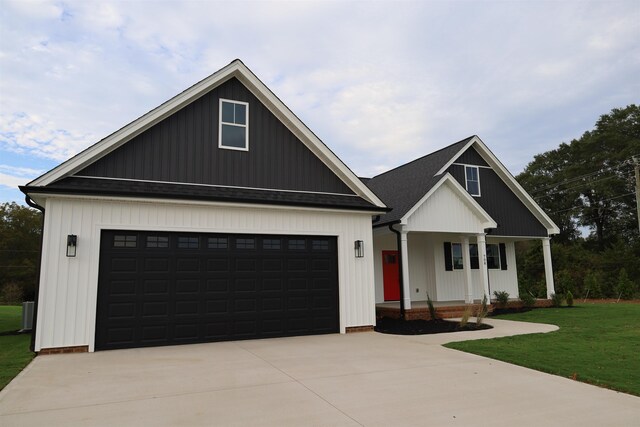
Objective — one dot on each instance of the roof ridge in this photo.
(422, 157)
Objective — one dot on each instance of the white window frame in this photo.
(498, 263)
(245, 126)
(466, 180)
(453, 257)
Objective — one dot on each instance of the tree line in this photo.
(587, 186)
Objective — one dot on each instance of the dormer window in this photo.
(472, 178)
(233, 133)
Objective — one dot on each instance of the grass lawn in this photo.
(597, 343)
(14, 349)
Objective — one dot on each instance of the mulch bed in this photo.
(509, 310)
(388, 325)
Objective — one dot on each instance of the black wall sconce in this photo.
(359, 248)
(72, 244)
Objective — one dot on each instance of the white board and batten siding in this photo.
(68, 286)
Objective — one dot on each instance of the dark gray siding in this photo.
(471, 157)
(512, 216)
(184, 148)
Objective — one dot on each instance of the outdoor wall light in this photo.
(359, 248)
(72, 244)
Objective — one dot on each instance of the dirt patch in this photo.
(388, 325)
(509, 310)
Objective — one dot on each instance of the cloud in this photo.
(380, 83)
(12, 177)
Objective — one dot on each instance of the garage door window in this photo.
(245, 244)
(320, 245)
(122, 241)
(297, 244)
(188, 243)
(217, 243)
(157, 242)
(271, 244)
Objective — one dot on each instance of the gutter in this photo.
(400, 261)
(34, 205)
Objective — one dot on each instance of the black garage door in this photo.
(177, 288)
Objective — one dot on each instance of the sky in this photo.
(380, 83)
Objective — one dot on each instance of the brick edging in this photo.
(61, 350)
(366, 328)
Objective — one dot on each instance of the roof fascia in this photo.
(488, 221)
(508, 179)
(260, 90)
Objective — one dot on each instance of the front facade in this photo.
(216, 216)
(220, 216)
(450, 236)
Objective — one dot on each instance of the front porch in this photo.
(444, 309)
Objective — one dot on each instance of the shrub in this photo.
(625, 288)
(502, 297)
(569, 299)
(11, 293)
(527, 299)
(465, 316)
(592, 282)
(432, 309)
(556, 300)
(482, 313)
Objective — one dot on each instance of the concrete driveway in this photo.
(331, 380)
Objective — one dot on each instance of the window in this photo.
(297, 244)
(320, 245)
(472, 178)
(245, 244)
(493, 257)
(188, 243)
(456, 255)
(157, 242)
(271, 244)
(217, 243)
(234, 119)
(473, 256)
(125, 241)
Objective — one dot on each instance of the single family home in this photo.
(220, 216)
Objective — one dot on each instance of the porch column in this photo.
(466, 265)
(404, 254)
(548, 266)
(482, 261)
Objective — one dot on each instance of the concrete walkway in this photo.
(331, 380)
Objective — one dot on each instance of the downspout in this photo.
(34, 205)
(400, 261)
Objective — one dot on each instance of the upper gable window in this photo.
(472, 178)
(234, 130)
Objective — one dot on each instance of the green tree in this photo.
(20, 229)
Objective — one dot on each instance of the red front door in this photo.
(391, 275)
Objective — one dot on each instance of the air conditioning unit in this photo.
(27, 315)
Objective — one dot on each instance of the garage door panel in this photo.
(174, 288)
(158, 265)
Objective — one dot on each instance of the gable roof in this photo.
(235, 69)
(403, 187)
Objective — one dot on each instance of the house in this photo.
(218, 215)
(456, 215)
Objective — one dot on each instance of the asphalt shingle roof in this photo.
(402, 187)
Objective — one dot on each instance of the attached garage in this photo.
(216, 216)
(178, 288)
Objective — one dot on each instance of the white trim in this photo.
(201, 203)
(215, 185)
(263, 93)
(508, 179)
(469, 164)
(245, 126)
(466, 180)
(489, 222)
